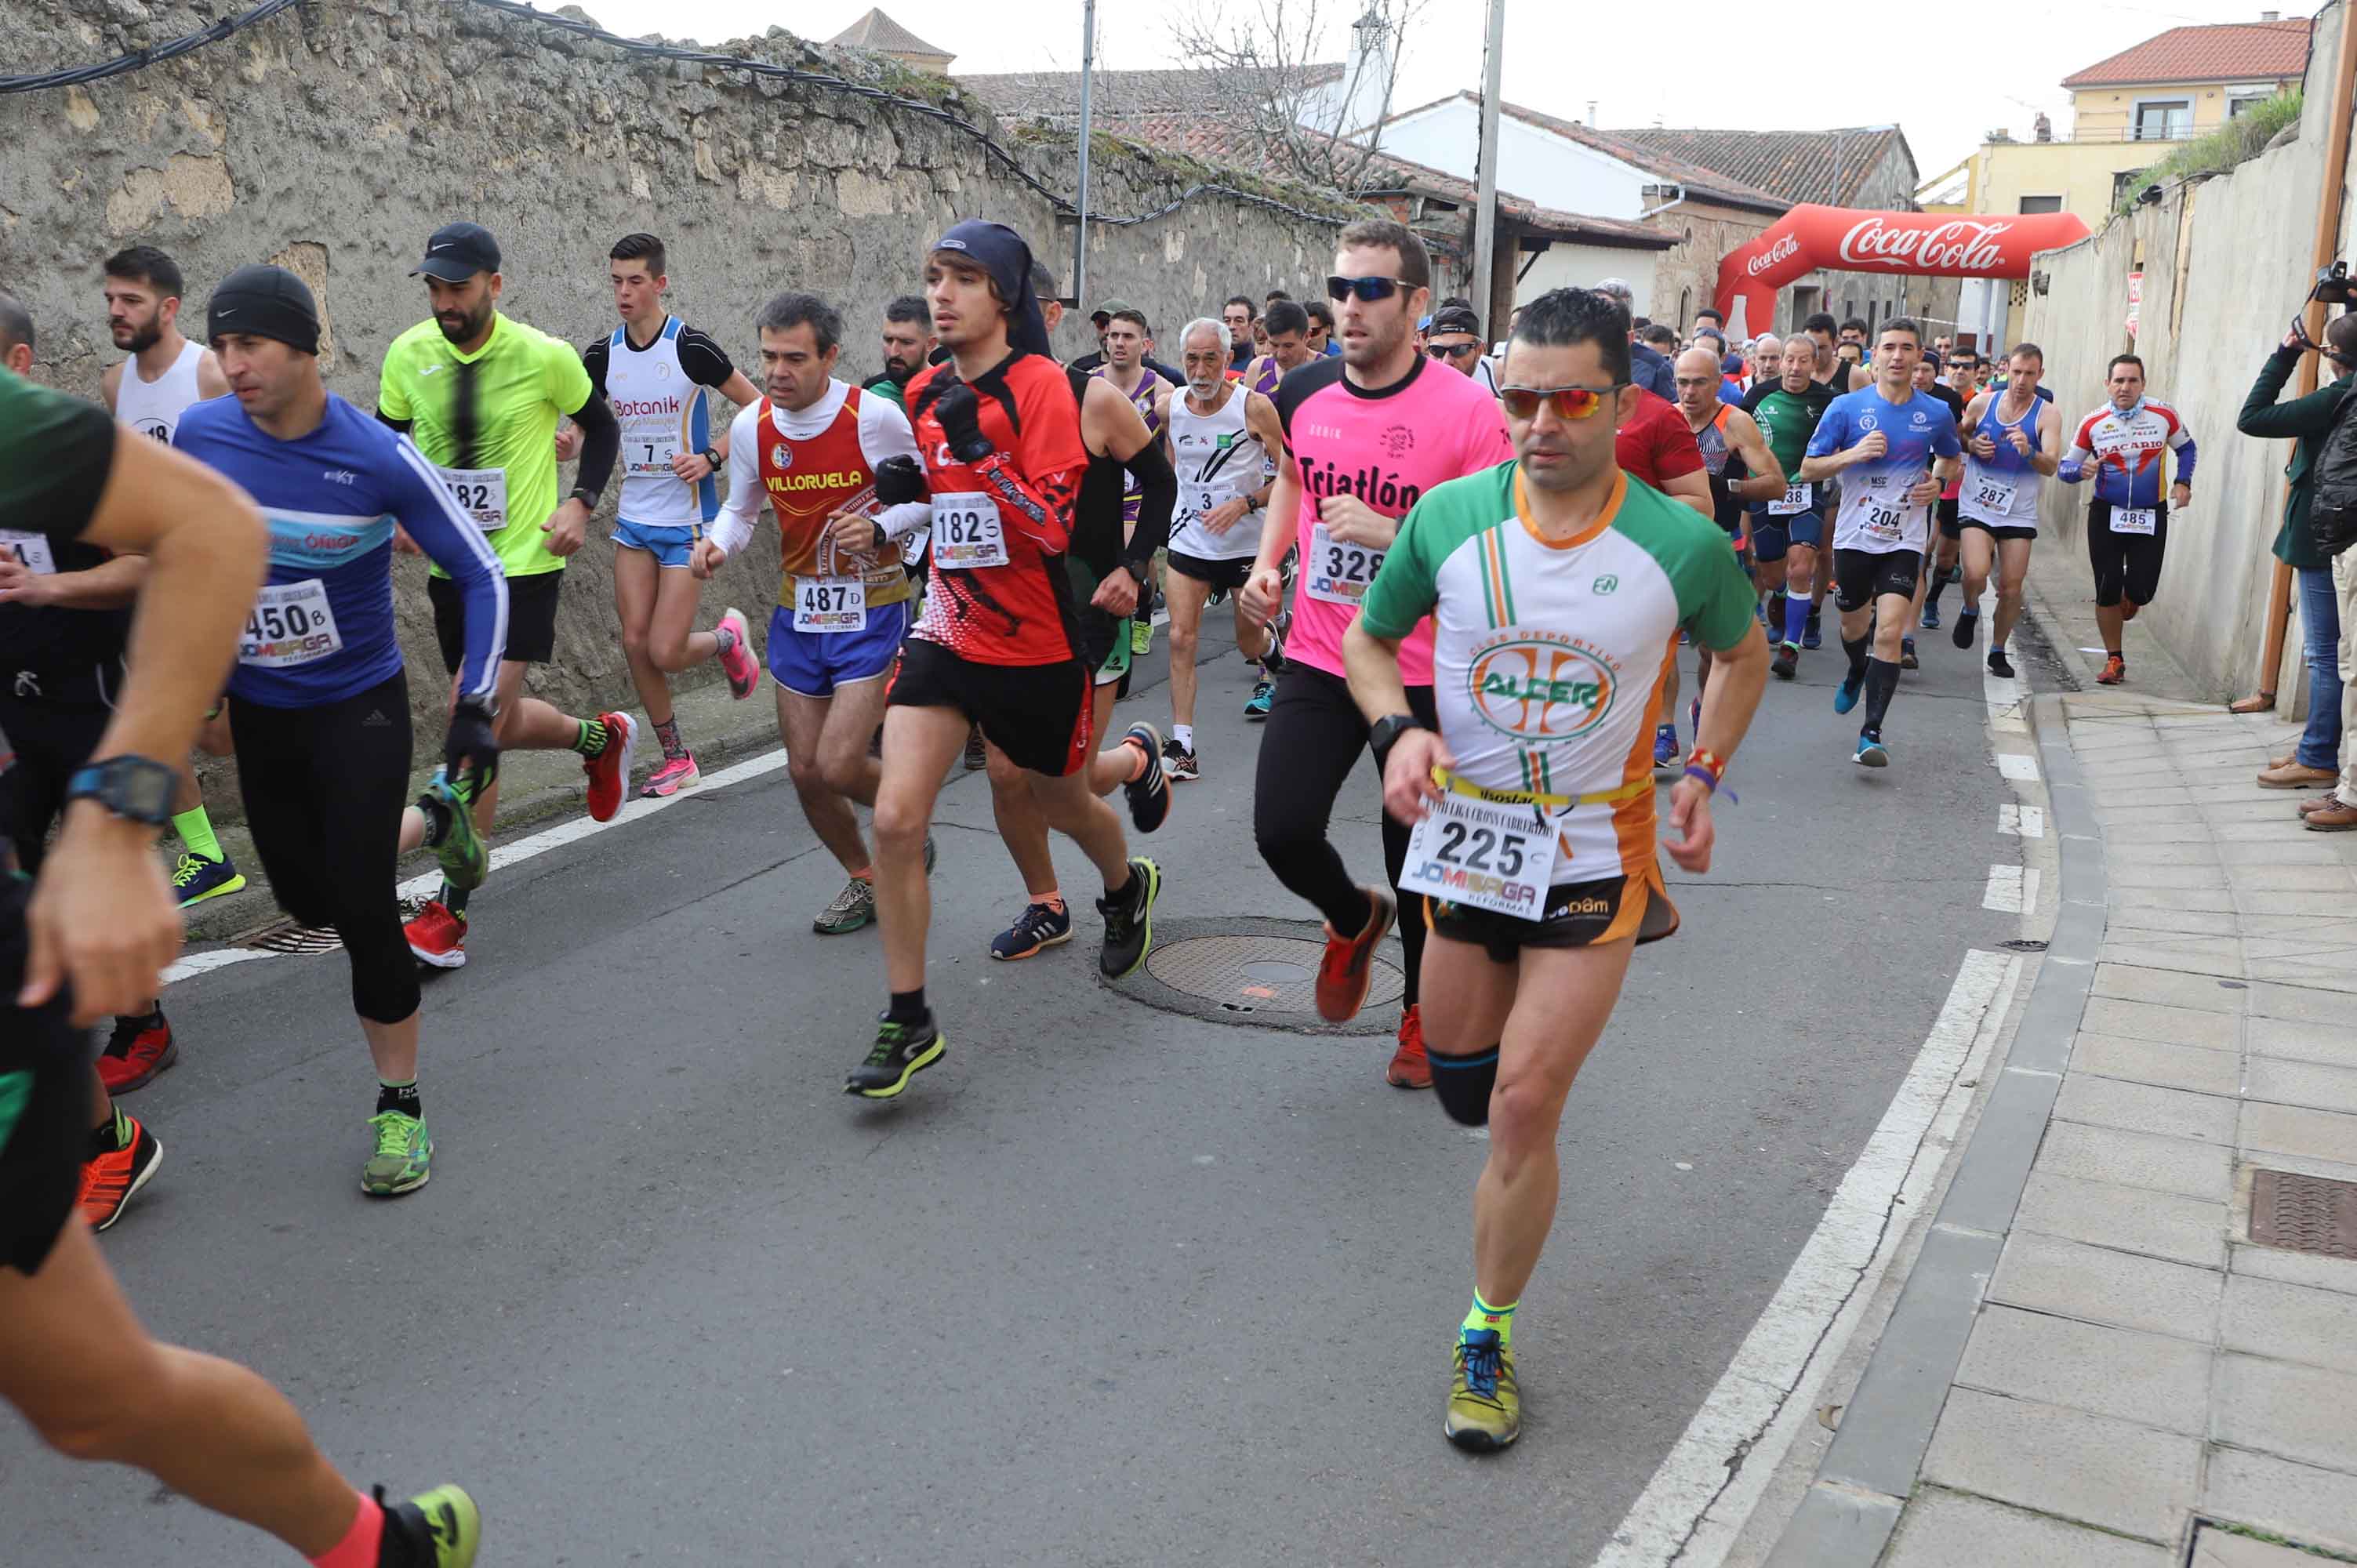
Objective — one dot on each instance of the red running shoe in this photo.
(437, 936)
(137, 1051)
(109, 1179)
(2115, 670)
(1345, 971)
(609, 770)
(1410, 1068)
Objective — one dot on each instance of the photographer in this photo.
(2328, 585)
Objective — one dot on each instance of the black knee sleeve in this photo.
(1462, 1084)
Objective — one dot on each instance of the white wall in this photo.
(1583, 267)
(1536, 164)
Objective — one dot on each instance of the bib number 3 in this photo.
(1484, 853)
(1337, 571)
(967, 531)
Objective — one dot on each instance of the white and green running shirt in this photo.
(1548, 657)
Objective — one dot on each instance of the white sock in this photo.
(1184, 736)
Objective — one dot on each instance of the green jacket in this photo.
(887, 388)
(2311, 419)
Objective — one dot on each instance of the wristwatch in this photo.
(882, 537)
(586, 496)
(712, 455)
(1384, 731)
(134, 788)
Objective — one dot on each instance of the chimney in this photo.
(2270, 15)
(1367, 78)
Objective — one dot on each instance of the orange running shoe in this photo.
(1344, 973)
(139, 1049)
(1410, 1068)
(437, 937)
(609, 770)
(2115, 670)
(110, 1176)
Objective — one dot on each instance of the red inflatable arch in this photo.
(1920, 244)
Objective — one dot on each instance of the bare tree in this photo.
(1313, 121)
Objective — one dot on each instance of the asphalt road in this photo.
(1108, 1286)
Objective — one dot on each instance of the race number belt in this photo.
(1493, 849)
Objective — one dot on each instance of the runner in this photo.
(1456, 341)
(908, 344)
(1239, 314)
(1789, 530)
(149, 391)
(1289, 335)
(1883, 442)
(1221, 434)
(2125, 445)
(1767, 362)
(1536, 719)
(1107, 568)
(655, 373)
(1741, 469)
(319, 704)
(1657, 445)
(95, 936)
(1321, 329)
(481, 393)
(807, 455)
(1364, 438)
(1128, 341)
(1962, 384)
(1830, 373)
(1922, 613)
(1001, 433)
(2015, 443)
(1819, 329)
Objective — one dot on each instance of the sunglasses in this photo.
(1569, 402)
(1449, 351)
(1369, 290)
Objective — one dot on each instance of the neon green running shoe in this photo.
(1485, 1404)
(404, 1150)
(1141, 636)
(440, 1529)
(464, 860)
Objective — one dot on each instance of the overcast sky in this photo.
(1944, 73)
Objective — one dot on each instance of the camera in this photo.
(2332, 285)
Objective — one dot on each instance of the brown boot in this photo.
(2335, 818)
(2293, 774)
(2316, 803)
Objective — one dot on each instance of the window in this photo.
(2241, 100)
(2128, 183)
(2041, 204)
(2162, 120)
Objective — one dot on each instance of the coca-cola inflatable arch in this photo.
(1842, 239)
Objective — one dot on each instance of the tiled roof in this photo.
(1388, 173)
(2228, 51)
(879, 32)
(1828, 167)
(1700, 183)
(1119, 96)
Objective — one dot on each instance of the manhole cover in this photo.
(286, 937)
(2304, 1213)
(2023, 944)
(1257, 971)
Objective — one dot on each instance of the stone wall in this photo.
(334, 137)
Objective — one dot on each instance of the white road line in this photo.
(1700, 1498)
(508, 856)
(2023, 822)
(2015, 765)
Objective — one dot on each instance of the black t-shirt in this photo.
(55, 454)
(706, 363)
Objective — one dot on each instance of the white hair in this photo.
(1203, 324)
(1616, 288)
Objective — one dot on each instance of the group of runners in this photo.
(1436, 555)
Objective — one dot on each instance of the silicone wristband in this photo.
(1710, 780)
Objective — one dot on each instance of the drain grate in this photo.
(286, 937)
(2023, 944)
(2304, 1213)
(1256, 972)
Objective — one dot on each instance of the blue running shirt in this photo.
(1876, 515)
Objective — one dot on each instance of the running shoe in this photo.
(1968, 624)
(137, 1050)
(901, 1051)
(403, 1151)
(1845, 694)
(1930, 619)
(1129, 919)
(196, 878)
(1907, 654)
(1409, 1068)
(112, 1175)
(853, 907)
(1787, 662)
(744, 670)
(1141, 632)
(1666, 746)
(1150, 792)
(1178, 763)
(1812, 635)
(1039, 926)
(1999, 665)
(459, 851)
(975, 755)
(2115, 670)
(440, 1529)
(438, 938)
(1871, 752)
(1272, 662)
(609, 772)
(1348, 967)
(677, 773)
(1485, 1406)
(1263, 696)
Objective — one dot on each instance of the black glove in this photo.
(960, 413)
(472, 743)
(899, 481)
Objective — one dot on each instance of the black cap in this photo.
(265, 302)
(457, 252)
(1455, 318)
(1000, 251)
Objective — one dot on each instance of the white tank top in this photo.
(1218, 458)
(154, 408)
(663, 412)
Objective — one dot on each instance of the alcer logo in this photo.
(1539, 688)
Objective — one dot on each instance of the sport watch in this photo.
(1384, 731)
(712, 455)
(134, 788)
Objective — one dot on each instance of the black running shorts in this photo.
(1039, 714)
(531, 618)
(1862, 577)
(1576, 915)
(45, 1116)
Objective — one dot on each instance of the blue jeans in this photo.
(2320, 617)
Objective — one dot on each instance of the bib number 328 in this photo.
(1338, 572)
(967, 531)
(1482, 853)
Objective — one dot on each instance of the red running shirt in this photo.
(1657, 443)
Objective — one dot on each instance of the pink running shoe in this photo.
(744, 670)
(676, 773)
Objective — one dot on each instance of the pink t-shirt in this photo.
(1388, 447)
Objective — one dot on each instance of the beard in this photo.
(141, 338)
(899, 370)
(469, 325)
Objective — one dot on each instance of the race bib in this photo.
(829, 603)
(1797, 498)
(32, 549)
(1338, 572)
(912, 548)
(481, 494)
(651, 459)
(1488, 854)
(967, 533)
(291, 624)
(2135, 519)
(1992, 493)
(1200, 503)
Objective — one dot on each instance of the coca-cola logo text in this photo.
(1782, 250)
(1963, 245)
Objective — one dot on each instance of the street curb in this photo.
(1846, 1517)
